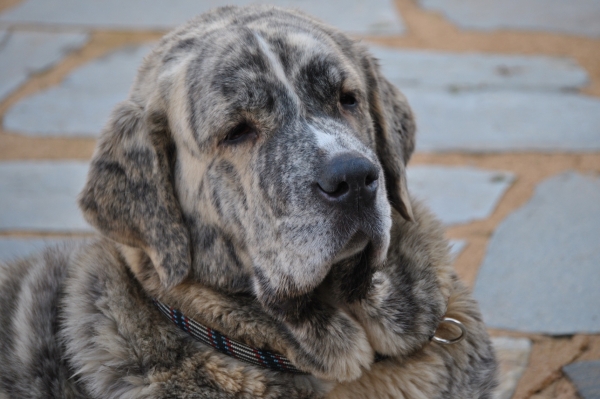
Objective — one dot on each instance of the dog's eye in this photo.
(240, 133)
(348, 100)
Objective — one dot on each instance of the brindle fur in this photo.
(235, 236)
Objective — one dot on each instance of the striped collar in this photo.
(260, 357)
(228, 346)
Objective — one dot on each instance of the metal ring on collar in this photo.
(463, 332)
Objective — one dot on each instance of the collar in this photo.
(228, 346)
(260, 357)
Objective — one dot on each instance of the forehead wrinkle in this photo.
(345, 58)
(277, 66)
(199, 96)
(323, 45)
(212, 70)
(315, 42)
(172, 80)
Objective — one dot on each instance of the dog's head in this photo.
(258, 148)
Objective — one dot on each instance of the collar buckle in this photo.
(454, 322)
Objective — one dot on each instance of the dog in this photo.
(253, 186)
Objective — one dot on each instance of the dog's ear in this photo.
(129, 194)
(394, 134)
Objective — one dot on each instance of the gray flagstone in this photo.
(458, 194)
(23, 54)
(505, 121)
(578, 17)
(81, 104)
(478, 71)
(41, 196)
(541, 272)
(586, 378)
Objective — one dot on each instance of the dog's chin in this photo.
(360, 253)
(349, 276)
(357, 243)
(378, 246)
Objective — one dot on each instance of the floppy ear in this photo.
(129, 194)
(394, 134)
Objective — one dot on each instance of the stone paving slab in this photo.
(513, 358)
(541, 272)
(578, 17)
(82, 103)
(41, 196)
(478, 71)
(27, 53)
(355, 16)
(505, 121)
(586, 378)
(458, 194)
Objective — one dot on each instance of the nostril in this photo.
(341, 189)
(370, 180)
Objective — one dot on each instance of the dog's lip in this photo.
(357, 243)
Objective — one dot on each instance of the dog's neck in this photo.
(238, 315)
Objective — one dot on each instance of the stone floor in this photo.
(507, 96)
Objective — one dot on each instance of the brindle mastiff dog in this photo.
(255, 181)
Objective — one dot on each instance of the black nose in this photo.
(349, 180)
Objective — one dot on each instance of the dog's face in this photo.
(259, 149)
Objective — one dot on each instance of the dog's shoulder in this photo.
(31, 353)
